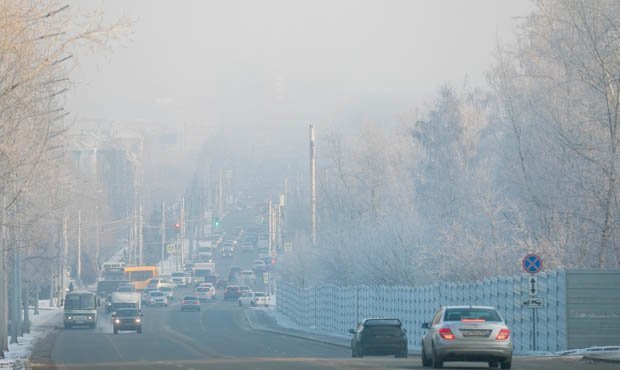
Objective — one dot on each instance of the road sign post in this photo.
(532, 264)
(534, 302)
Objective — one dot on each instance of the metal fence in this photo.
(335, 309)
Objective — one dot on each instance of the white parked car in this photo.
(246, 299)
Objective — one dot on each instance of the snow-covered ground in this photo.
(40, 326)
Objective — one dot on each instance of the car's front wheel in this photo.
(139, 330)
(506, 364)
(115, 331)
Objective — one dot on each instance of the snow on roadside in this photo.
(40, 326)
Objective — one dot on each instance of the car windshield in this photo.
(190, 298)
(127, 313)
(473, 314)
(203, 289)
(178, 274)
(157, 294)
(259, 294)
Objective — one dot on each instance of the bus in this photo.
(140, 275)
(80, 308)
(113, 271)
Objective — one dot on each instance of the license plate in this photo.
(475, 333)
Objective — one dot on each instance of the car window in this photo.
(382, 322)
(473, 314)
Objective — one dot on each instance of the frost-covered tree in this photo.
(560, 99)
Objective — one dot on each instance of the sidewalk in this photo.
(269, 320)
(40, 325)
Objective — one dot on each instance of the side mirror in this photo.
(113, 316)
(98, 302)
(425, 326)
(351, 331)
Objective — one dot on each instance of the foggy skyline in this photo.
(278, 63)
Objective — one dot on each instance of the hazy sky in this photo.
(273, 63)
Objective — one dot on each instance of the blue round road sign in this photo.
(532, 263)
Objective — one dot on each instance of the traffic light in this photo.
(177, 227)
(216, 221)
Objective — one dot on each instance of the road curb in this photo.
(292, 335)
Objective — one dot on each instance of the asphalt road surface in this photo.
(219, 337)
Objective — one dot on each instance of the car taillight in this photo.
(504, 334)
(446, 334)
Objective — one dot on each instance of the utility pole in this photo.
(313, 184)
(220, 196)
(140, 233)
(16, 310)
(182, 231)
(97, 239)
(4, 345)
(79, 249)
(163, 234)
(62, 259)
(270, 226)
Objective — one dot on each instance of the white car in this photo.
(247, 276)
(180, 279)
(246, 299)
(205, 292)
(259, 266)
(260, 299)
(157, 298)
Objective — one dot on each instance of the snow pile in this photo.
(40, 326)
(609, 353)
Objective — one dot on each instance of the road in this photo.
(219, 337)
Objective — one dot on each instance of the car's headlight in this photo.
(117, 321)
(138, 319)
(69, 317)
(90, 317)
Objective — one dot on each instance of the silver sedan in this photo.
(467, 333)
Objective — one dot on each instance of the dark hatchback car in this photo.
(232, 293)
(379, 337)
(127, 319)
